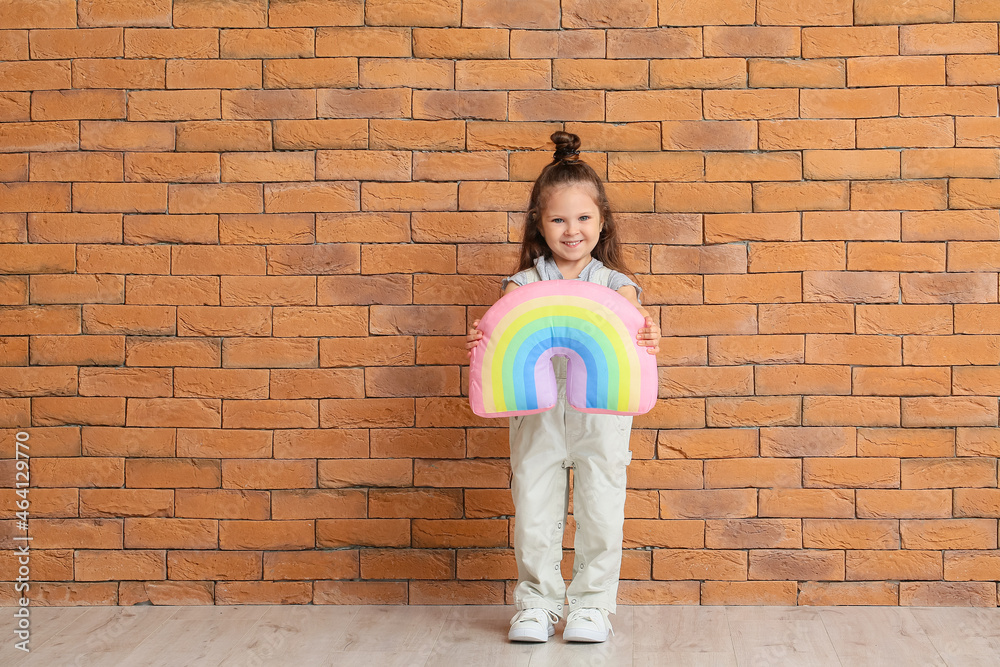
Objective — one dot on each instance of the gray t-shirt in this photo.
(547, 270)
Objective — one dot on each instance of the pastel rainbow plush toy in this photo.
(592, 325)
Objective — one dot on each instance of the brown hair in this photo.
(566, 168)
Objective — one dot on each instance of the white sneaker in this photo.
(532, 625)
(587, 624)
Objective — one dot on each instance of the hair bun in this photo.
(567, 146)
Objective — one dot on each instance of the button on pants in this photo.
(542, 449)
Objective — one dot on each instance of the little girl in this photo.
(569, 234)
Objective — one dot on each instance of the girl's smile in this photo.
(571, 226)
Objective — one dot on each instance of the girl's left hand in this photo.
(649, 335)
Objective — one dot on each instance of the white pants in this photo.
(542, 449)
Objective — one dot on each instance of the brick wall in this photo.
(242, 241)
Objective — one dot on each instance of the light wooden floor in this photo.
(401, 636)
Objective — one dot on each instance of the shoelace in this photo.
(534, 615)
(592, 615)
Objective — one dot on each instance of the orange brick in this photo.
(807, 441)
(949, 411)
(77, 43)
(709, 135)
(460, 43)
(868, 12)
(761, 473)
(295, 13)
(396, 12)
(875, 256)
(199, 13)
(558, 43)
(951, 162)
(905, 132)
(222, 504)
(729, 258)
(313, 443)
(971, 380)
(806, 318)
(894, 564)
(202, 565)
(711, 197)
(213, 74)
(363, 533)
(800, 196)
(808, 133)
(723, 350)
(855, 349)
(783, 564)
(756, 288)
(224, 136)
(904, 319)
(59, 14)
(850, 41)
(57, 228)
(975, 319)
(387, 73)
(94, 73)
(951, 350)
(267, 43)
(89, 350)
(754, 411)
(480, 165)
(902, 381)
(850, 286)
(366, 413)
(850, 411)
(311, 565)
(600, 74)
(819, 503)
(793, 73)
(805, 12)
(796, 256)
(267, 104)
(751, 104)
(160, 533)
(948, 288)
(905, 442)
(968, 193)
(40, 136)
(364, 41)
(72, 104)
(850, 103)
(701, 320)
(226, 444)
(853, 225)
(698, 73)
(704, 564)
(39, 75)
(173, 473)
(948, 38)
(774, 166)
(123, 13)
(266, 535)
(732, 381)
(109, 136)
(752, 41)
(171, 43)
(952, 100)
(945, 473)
(105, 565)
(948, 533)
(851, 472)
(502, 75)
(706, 12)
(802, 379)
(414, 135)
(77, 533)
(751, 227)
(972, 71)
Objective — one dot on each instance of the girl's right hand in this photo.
(472, 340)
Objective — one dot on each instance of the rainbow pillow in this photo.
(591, 325)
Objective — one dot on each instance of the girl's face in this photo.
(571, 225)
